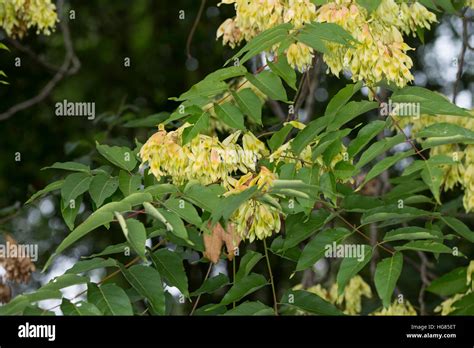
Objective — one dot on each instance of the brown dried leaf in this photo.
(231, 239)
(213, 243)
(5, 293)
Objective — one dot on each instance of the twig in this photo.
(69, 66)
(461, 56)
(193, 29)
(28, 51)
(275, 302)
(425, 282)
(199, 296)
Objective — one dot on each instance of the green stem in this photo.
(275, 302)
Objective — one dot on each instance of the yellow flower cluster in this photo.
(255, 219)
(379, 53)
(284, 154)
(462, 172)
(446, 307)
(204, 158)
(351, 299)
(255, 16)
(397, 308)
(208, 160)
(17, 16)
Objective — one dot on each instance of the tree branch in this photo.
(69, 66)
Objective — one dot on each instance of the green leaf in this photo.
(41, 295)
(348, 112)
(244, 287)
(205, 197)
(316, 248)
(160, 189)
(327, 184)
(226, 73)
(150, 121)
(433, 178)
(262, 42)
(147, 282)
(342, 97)
(279, 137)
(201, 124)
(370, 5)
(69, 211)
(121, 156)
(211, 285)
(451, 283)
(129, 184)
(350, 266)
(203, 89)
(309, 302)
(431, 103)
(298, 229)
(308, 134)
(249, 260)
(51, 187)
(64, 281)
(383, 165)
(249, 104)
(170, 266)
(74, 185)
(284, 70)
(70, 166)
(112, 249)
(359, 203)
(185, 210)
(81, 308)
(178, 228)
(386, 275)
(378, 148)
(230, 115)
(135, 233)
(409, 233)
(137, 198)
(393, 212)
(88, 265)
(231, 203)
(365, 135)
(109, 299)
(102, 187)
(464, 306)
(269, 84)
(445, 133)
(459, 227)
(250, 308)
(426, 245)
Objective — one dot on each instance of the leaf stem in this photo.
(275, 302)
(199, 297)
(233, 276)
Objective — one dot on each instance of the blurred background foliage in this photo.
(151, 34)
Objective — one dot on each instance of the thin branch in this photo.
(69, 66)
(199, 296)
(193, 29)
(425, 281)
(465, 42)
(33, 55)
(272, 282)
